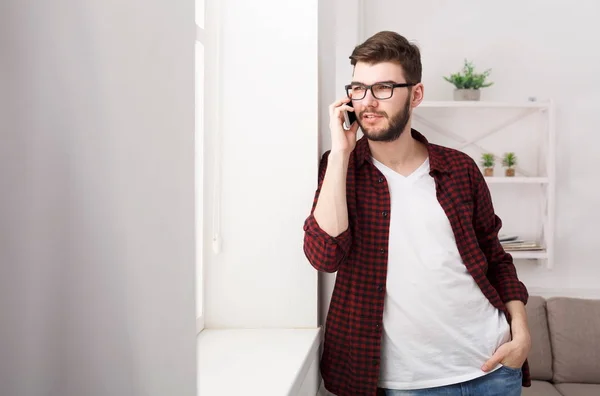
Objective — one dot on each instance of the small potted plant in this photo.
(487, 161)
(468, 83)
(509, 161)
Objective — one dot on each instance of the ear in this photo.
(417, 94)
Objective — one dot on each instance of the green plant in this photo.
(509, 160)
(468, 79)
(488, 160)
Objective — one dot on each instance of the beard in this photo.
(396, 125)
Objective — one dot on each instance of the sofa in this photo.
(565, 352)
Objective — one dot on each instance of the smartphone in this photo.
(349, 117)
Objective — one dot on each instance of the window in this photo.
(199, 99)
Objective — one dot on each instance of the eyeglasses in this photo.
(379, 90)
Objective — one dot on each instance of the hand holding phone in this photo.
(349, 117)
(340, 113)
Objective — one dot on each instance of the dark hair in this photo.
(389, 46)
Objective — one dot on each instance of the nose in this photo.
(369, 100)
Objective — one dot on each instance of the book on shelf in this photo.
(519, 245)
(507, 237)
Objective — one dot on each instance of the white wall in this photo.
(97, 213)
(269, 155)
(535, 48)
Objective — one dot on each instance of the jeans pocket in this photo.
(512, 370)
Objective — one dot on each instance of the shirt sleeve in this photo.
(501, 269)
(324, 252)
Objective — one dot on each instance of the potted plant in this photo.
(509, 161)
(468, 83)
(487, 161)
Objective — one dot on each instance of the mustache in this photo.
(379, 113)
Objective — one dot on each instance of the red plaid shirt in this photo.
(351, 351)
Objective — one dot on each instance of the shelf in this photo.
(532, 254)
(516, 180)
(492, 118)
(483, 104)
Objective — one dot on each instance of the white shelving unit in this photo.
(485, 104)
(539, 176)
(518, 180)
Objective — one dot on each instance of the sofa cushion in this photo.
(574, 333)
(579, 389)
(540, 356)
(540, 388)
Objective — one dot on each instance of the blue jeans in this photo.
(505, 381)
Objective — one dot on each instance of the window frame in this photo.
(199, 163)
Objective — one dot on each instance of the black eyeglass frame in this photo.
(370, 88)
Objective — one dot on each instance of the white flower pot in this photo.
(467, 94)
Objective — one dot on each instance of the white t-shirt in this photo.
(438, 327)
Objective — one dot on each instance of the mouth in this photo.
(371, 117)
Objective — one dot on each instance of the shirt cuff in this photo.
(312, 228)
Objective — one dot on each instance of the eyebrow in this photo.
(378, 82)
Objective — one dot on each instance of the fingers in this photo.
(336, 114)
(490, 364)
(344, 108)
(338, 104)
(493, 361)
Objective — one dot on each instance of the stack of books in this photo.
(513, 243)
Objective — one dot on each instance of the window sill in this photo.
(255, 362)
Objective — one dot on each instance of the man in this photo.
(426, 301)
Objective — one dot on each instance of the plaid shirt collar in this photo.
(437, 161)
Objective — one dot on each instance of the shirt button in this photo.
(384, 214)
(380, 180)
(382, 251)
(380, 288)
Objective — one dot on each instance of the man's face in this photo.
(382, 120)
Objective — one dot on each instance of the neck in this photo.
(402, 152)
